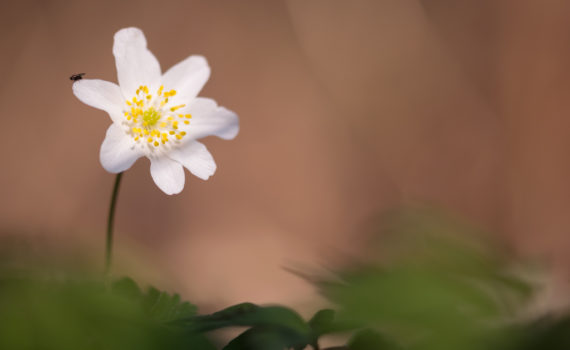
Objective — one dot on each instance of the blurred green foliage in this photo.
(424, 286)
(271, 327)
(38, 313)
(432, 291)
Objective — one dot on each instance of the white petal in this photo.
(210, 119)
(187, 78)
(136, 65)
(118, 151)
(167, 174)
(196, 158)
(101, 95)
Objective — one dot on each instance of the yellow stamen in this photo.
(172, 109)
(150, 121)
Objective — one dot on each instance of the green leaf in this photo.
(157, 305)
(548, 333)
(43, 313)
(368, 339)
(272, 327)
(432, 290)
(251, 315)
(127, 288)
(322, 321)
(325, 322)
(164, 307)
(266, 338)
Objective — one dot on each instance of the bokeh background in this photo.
(348, 109)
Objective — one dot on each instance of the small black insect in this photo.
(76, 77)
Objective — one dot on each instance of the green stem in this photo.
(110, 220)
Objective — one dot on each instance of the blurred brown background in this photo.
(347, 108)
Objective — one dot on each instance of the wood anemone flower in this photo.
(155, 115)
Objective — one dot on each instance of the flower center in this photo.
(150, 121)
(151, 117)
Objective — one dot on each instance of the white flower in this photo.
(156, 115)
